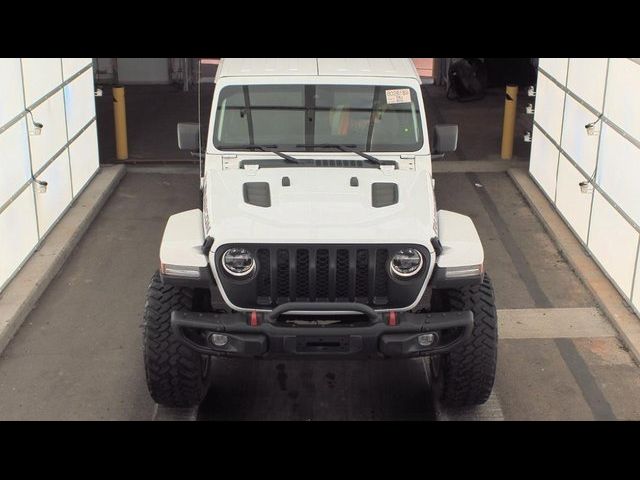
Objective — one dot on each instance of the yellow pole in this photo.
(509, 123)
(120, 117)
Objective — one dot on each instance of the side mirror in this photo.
(188, 136)
(445, 138)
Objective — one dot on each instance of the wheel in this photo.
(467, 373)
(176, 375)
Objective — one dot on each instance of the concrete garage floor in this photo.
(78, 355)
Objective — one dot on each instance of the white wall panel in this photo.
(53, 136)
(619, 171)
(613, 239)
(41, 76)
(84, 157)
(549, 105)
(79, 104)
(19, 233)
(622, 105)
(613, 242)
(582, 148)
(14, 160)
(11, 96)
(544, 162)
(58, 195)
(27, 218)
(556, 67)
(570, 200)
(587, 79)
(71, 66)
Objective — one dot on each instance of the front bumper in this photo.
(267, 335)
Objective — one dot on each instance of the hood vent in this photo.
(384, 194)
(339, 163)
(257, 193)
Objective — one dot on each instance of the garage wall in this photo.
(571, 93)
(59, 94)
(138, 71)
(145, 71)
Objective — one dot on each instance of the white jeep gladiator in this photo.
(319, 235)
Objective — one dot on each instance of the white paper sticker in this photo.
(400, 95)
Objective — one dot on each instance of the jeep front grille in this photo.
(323, 273)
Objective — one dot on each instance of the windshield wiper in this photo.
(262, 148)
(348, 148)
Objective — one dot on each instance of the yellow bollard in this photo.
(509, 123)
(120, 117)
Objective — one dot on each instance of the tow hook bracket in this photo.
(254, 321)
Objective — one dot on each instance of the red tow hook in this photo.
(393, 318)
(253, 319)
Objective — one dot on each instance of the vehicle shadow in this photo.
(302, 390)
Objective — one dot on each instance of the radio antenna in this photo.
(199, 118)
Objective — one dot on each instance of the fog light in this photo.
(426, 339)
(219, 340)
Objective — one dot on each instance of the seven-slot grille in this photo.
(322, 273)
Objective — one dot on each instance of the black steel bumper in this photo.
(266, 335)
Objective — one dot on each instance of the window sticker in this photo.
(400, 95)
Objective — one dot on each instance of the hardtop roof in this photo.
(360, 67)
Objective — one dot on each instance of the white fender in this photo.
(460, 241)
(181, 247)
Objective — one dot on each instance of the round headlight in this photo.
(238, 262)
(406, 262)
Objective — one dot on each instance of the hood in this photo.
(319, 205)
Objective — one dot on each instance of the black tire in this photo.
(467, 373)
(176, 375)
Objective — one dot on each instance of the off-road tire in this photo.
(176, 375)
(468, 372)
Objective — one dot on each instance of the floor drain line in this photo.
(167, 414)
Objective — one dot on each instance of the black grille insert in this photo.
(342, 275)
(283, 273)
(263, 277)
(362, 272)
(322, 274)
(302, 274)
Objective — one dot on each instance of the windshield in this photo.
(294, 117)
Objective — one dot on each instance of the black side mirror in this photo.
(445, 138)
(188, 136)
